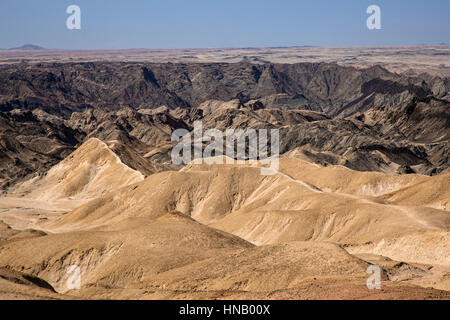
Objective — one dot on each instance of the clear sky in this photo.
(114, 24)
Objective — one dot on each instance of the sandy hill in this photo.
(404, 189)
(272, 209)
(90, 171)
(433, 192)
(174, 256)
(9, 234)
(337, 178)
(226, 231)
(121, 254)
(17, 285)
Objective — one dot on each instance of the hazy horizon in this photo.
(228, 48)
(203, 25)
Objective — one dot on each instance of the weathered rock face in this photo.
(62, 88)
(367, 119)
(30, 143)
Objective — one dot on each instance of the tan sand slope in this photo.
(92, 170)
(433, 192)
(122, 254)
(263, 209)
(17, 285)
(226, 231)
(175, 257)
(8, 233)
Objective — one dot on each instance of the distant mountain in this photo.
(28, 47)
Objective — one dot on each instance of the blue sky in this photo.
(115, 24)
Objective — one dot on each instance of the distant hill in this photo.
(28, 47)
